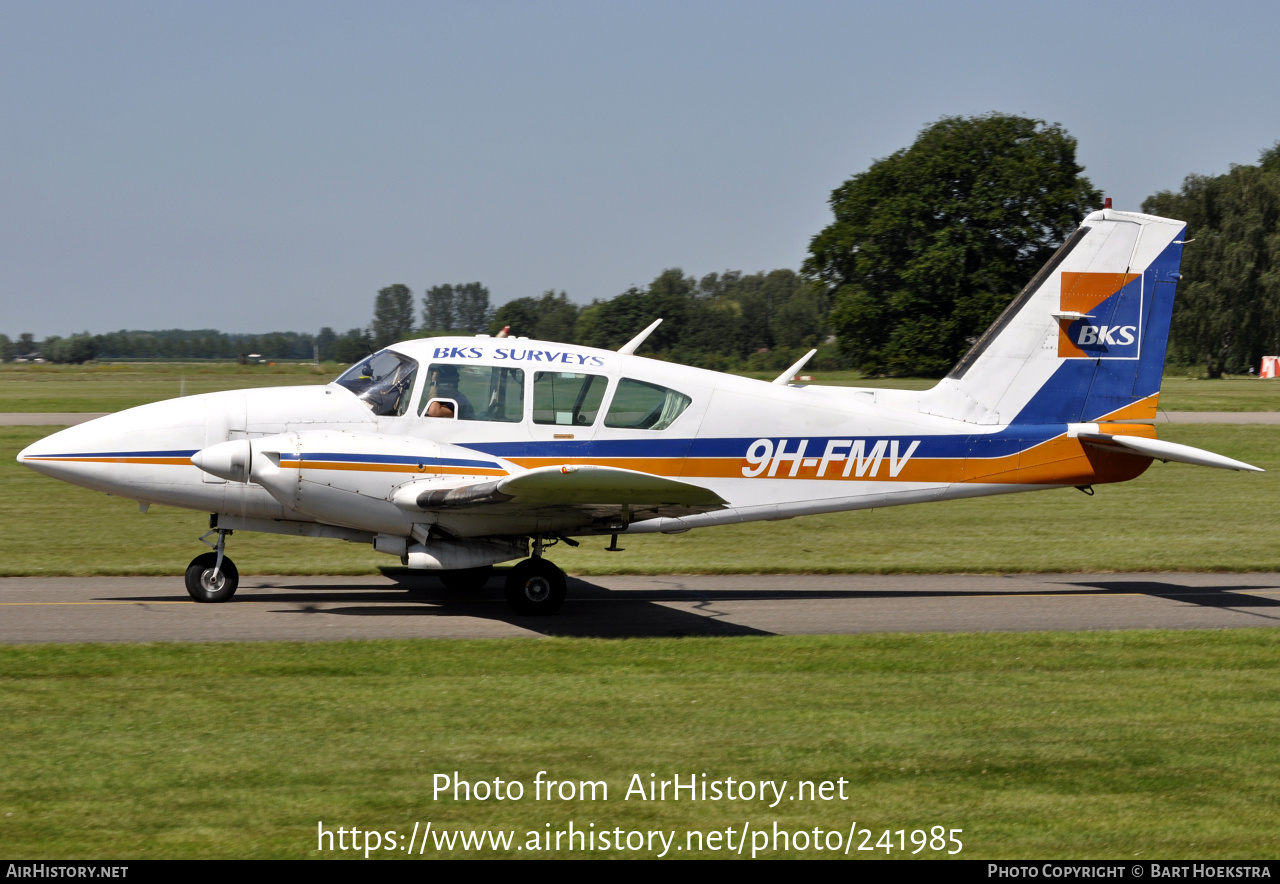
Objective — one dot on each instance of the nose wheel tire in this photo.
(535, 588)
(201, 584)
(467, 579)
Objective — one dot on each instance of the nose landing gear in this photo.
(211, 576)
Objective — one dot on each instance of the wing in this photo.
(594, 494)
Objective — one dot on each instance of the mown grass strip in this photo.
(1095, 745)
(113, 387)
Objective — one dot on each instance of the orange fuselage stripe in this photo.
(1058, 461)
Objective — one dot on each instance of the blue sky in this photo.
(259, 166)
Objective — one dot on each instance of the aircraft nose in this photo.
(114, 454)
(41, 448)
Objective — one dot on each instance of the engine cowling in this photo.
(346, 478)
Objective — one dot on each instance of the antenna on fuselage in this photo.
(630, 346)
(786, 376)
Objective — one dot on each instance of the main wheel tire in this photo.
(535, 587)
(467, 579)
(200, 583)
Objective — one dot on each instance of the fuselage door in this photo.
(566, 405)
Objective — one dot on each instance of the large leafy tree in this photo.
(1228, 310)
(929, 244)
(610, 324)
(718, 321)
(550, 317)
(392, 315)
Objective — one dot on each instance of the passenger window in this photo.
(482, 393)
(562, 397)
(640, 406)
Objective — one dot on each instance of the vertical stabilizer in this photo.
(1084, 340)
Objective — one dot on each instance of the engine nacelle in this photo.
(354, 479)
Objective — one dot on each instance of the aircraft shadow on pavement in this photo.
(590, 611)
(1233, 597)
(622, 614)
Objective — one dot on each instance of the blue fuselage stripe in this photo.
(998, 444)
(346, 457)
(185, 453)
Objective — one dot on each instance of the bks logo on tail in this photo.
(1111, 305)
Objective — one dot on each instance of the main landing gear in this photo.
(211, 576)
(535, 587)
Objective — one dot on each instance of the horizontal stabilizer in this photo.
(571, 486)
(1166, 451)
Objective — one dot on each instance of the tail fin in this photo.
(1084, 340)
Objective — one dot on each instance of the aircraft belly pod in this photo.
(454, 453)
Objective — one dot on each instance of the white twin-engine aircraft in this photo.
(455, 453)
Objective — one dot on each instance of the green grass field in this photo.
(112, 387)
(1174, 517)
(1127, 745)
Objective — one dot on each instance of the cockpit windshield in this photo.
(383, 382)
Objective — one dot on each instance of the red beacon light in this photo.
(1106, 203)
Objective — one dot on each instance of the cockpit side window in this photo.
(566, 398)
(383, 382)
(638, 405)
(481, 393)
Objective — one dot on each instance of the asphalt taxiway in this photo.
(411, 605)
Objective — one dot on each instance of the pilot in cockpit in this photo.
(443, 384)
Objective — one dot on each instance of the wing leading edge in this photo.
(575, 487)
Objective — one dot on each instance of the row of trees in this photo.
(167, 344)
(446, 309)
(722, 320)
(927, 246)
